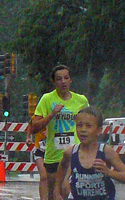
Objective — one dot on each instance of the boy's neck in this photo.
(89, 147)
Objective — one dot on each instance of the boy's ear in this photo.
(70, 80)
(99, 131)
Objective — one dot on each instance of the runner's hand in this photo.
(58, 108)
(100, 166)
(29, 141)
(44, 133)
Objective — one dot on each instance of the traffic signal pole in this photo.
(7, 92)
(7, 79)
(7, 69)
(7, 84)
(5, 137)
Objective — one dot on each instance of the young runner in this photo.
(40, 142)
(56, 110)
(91, 177)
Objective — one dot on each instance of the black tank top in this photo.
(87, 184)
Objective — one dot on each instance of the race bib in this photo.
(63, 140)
(42, 144)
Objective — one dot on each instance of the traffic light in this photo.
(25, 105)
(7, 64)
(6, 106)
(32, 102)
(29, 104)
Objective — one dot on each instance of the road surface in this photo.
(26, 188)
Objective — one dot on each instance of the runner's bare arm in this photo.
(113, 158)
(29, 133)
(41, 122)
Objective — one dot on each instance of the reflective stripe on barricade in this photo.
(20, 166)
(1, 146)
(22, 127)
(115, 129)
(15, 127)
(120, 149)
(16, 146)
(21, 146)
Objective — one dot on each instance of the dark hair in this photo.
(55, 69)
(93, 111)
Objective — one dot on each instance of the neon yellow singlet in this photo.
(61, 130)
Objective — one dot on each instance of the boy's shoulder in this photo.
(75, 148)
(69, 149)
(109, 151)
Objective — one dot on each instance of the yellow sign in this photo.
(32, 102)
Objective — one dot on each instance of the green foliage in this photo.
(21, 85)
(111, 98)
(88, 36)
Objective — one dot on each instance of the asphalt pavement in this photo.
(26, 186)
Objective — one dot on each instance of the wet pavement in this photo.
(21, 187)
(24, 187)
(19, 191)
